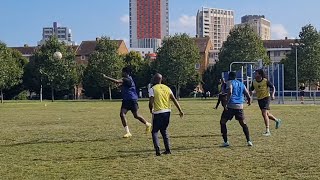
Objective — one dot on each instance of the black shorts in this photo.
(130, 105)
(223, 97)
(301, 93)
(230, 113)
(264, 103)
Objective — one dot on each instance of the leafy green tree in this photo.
(80, 68)
(104, 60)
(15, 90)
(176, 61)
(243, 45)
(141, 70)
(134, 60)
(308, 53)
(58, 74)
(11, 69)
(208, 79)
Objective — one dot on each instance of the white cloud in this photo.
(125, 19)
(185, 24)
(279, 31)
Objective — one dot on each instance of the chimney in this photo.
(97, 39)
(25, 45)
(286, 38)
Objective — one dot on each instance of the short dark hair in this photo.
(261, 73)
(232, 75)
(126, 70)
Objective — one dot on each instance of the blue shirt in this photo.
(237, 92)
(128, 90)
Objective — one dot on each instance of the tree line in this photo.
(55, 78)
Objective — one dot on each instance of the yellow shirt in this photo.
(261, 88)
(161, 94)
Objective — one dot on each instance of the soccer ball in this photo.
(57, 55)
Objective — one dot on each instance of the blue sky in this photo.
(22, 20)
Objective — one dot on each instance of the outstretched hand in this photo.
(105, 76)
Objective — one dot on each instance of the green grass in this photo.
(83, 140)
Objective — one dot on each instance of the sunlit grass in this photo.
(83, 140)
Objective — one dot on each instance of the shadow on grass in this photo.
(102, 158)
(136, 152)
(53, 142)
(133, 154)
(196, 136)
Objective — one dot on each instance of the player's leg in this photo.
(219, 100)
(123, 112)
(278, 121)
(271, 116)
(241, 118)
(264, 106)
(223, 125)
(164, 132)
(224, 100)
(266, 119)
(155, 128)
(136, 115)
(302, 97)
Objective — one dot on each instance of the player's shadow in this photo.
(195, 136)
(177, 149)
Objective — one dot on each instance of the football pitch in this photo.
(83, 140)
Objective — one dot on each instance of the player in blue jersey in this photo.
(129, 100)
(234, 108)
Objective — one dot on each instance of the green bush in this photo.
(22, 96)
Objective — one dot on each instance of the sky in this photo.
(22, 20)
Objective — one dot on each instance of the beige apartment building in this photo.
(216, 24)
(259, 24)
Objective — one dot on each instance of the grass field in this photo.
(83, 140)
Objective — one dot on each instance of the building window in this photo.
(277, 53)
(83, 57)
(197, 66)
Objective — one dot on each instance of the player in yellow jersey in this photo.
(261, 85)
(159, 105)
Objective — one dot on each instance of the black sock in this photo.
(246, 131)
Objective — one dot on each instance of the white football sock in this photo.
(127, 129)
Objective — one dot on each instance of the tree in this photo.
(58, 74)
(80, 68)
(15, 90)
(10, 68)
(176, 60)
(308, 58)
(141, 70)
(244, 45)
(104, 60)
(208, 79)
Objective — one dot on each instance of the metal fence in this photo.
(293, 97)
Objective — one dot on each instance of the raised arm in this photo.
(118, 81)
